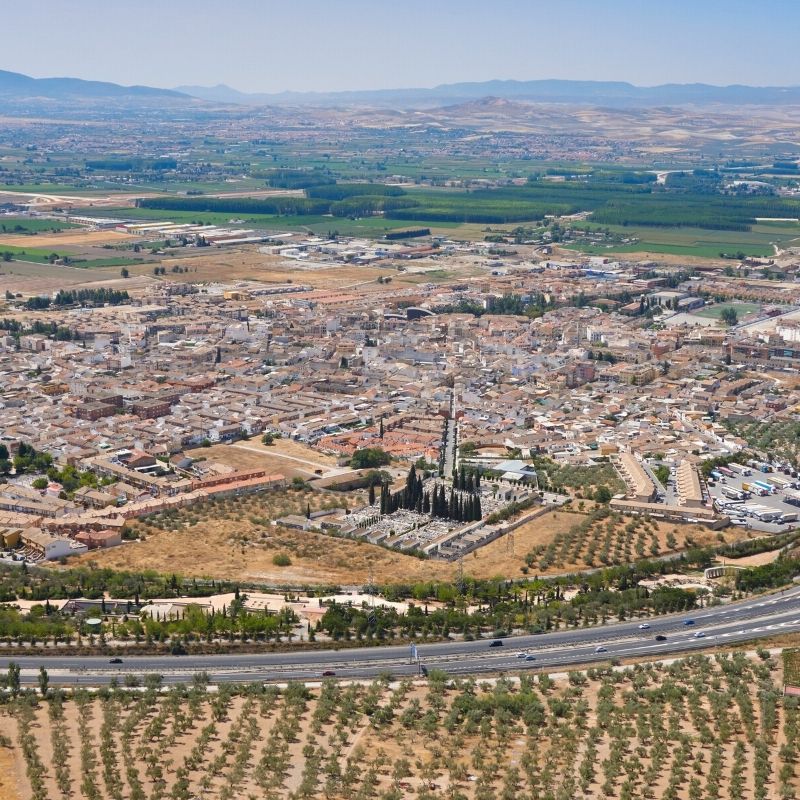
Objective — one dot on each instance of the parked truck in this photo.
(740, 469)
(732, 494)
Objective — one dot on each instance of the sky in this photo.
(332, 45)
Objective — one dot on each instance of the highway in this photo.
(743, 621)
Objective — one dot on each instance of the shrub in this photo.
(281, 560)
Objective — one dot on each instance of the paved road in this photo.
(722, 625)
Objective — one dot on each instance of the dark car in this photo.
(115, 661)
(496, 643)
(329, 673)
(661, 638)
(688, 622)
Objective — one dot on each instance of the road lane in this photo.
(721, 625)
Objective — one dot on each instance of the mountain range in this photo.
(15, 85)
(597, 93)
(21, 92)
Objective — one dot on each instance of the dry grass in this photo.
(234, 539)
(246, 263)
(69, 238)
(28, 277)
(285, 457)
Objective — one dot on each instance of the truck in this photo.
(740, 469)
(792, 496)
(781, 482)
(767, 487)
(750, 488)
(790, 516)
(716, 474)
(732, 494)
(728, 473)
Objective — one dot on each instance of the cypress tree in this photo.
(372, 495)
(411, 479)
(426, 503)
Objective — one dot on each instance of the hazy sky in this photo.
(265, 45)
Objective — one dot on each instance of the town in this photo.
(511, 364)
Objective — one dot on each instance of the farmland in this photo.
(691, 241)
(611, 201)
(32, 226)
(699, 727)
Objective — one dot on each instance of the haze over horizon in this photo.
(374, 46)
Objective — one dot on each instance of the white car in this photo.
(644, 626)
(699, 634)
(600, 649)
(521, 654)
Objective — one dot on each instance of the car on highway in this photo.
(661, 638)
(688, 622)
(521, 654)
(600, 649)
(115, 661)
(496, 643)
(699, 635)
(644, 626)
(530, 657)
(328, 673)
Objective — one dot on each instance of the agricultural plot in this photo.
(697, 728)
(695, 242)
(779, 437)
(603, 538)
(31, 225)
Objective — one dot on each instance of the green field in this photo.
(37, 255)
(32, 225)
(697, 242)
(716, 311)
(43, 256)
(366, 226)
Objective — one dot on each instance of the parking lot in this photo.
(741, 510)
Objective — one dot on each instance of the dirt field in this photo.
(288, 458)
(754, 561)
(235, 539)
(11, 782)
(228, 264)
(70, 238)
(29, 278)
(689, 728)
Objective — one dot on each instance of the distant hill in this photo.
(599, 93)
(17, 90)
